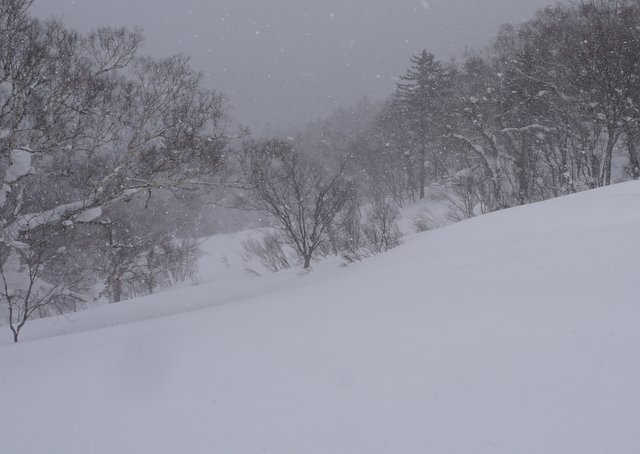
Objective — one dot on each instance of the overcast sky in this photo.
(284, 62)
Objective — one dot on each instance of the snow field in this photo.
(515, 332)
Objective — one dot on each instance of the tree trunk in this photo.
(150, 284)
(307, 261)
(605, 177)
(423, 170)
(632, 147)
(117, 291)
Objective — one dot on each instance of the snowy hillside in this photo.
(515, 332)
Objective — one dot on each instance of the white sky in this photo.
(285, 62)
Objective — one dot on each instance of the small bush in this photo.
(269, 251)
(378, 232)
(424, 221)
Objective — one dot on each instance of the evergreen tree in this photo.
(422, 99)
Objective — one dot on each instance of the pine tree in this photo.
(422, 98)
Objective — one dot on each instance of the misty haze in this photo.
(285, 62)
(293, 226)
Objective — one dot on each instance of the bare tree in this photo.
(36, 282)
(133, 254)
(574, 69)
(104, 124)
(86, 127)
(368, 232)
(303, 197)
(381, 229)
(271, 250)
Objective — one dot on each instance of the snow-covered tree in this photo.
(87, 125)
(575, 69)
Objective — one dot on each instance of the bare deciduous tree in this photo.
(35, 282)
(372, 232)
(303, 197)
(270, 250)
(87, 126)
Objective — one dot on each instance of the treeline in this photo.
(550, 108)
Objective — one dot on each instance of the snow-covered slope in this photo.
(516, 332)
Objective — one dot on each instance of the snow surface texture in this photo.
(515, 332)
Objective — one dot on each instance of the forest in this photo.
(114, 165)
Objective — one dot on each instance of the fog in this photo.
(284, 62)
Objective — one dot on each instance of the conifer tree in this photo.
(422, 98)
